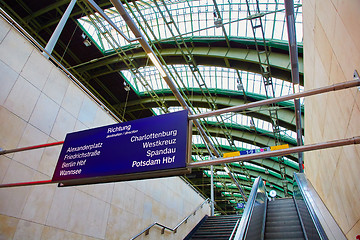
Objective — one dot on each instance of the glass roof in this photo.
(197, 19)
(214, 78)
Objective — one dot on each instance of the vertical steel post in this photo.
(212, 190)
(290, 20)
(56, 34)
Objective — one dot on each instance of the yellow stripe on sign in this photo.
(273, 148)
(231, 154)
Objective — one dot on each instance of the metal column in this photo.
(290, 20)
(56, 34)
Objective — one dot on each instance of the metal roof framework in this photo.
(220, 54)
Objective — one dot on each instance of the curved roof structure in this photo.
(219, 53)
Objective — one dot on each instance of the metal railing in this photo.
(192, 187)
(235, 229)
(174, 230)
(256, 201)
(323, 223)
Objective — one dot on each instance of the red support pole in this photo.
(30, 147)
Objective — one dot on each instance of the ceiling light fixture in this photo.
(87, 42)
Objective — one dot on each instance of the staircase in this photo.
(282, 221)
(215, 227)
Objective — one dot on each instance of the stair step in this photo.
(216, 227)
(202, 233)
(211, 236)
(219, 224)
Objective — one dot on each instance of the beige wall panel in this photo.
(60, 208)
(353, 129)
(22, 98)
(49, 159)
(56, 85)
(349, 12)
(87, 112)
(39, 107)
(13, 199)
(11, 52)
(103, 192)
(336, 73)
(345, 50)
(88, 215)
(354, 232)
(328, 16)
(50, 233)
(64, 124)
(36, 70)
(356, 94)
(351, 159)
(7, 226)
(7, 80)
(31, 136)
(73, 100)
(44, 114)
(4, 30)
(323, 48)
(28, 230)
(38, 203)
(334, 58)
(11, 129)
(4, 165)
(79, 126)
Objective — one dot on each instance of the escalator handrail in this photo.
(300, 219)
(264, 221)
(245, 219)
(234, 230)
(311, 210)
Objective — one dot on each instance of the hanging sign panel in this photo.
(145, 145)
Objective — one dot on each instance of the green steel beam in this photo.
(241, 59)
(270, 164)
(274, 180)
(285, 113)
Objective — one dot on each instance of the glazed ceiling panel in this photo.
(163, 20)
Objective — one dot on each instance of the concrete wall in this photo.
(38, 104)
(331, 54)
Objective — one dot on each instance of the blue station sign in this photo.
(139, 146)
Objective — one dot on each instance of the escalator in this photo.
(282, 221)
(293, 218)
(303, 216)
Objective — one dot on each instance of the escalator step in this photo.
(280, 218)
(282, 223)
(281, 235)
(284, 228)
